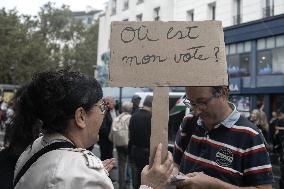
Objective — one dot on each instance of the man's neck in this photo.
(227, 111)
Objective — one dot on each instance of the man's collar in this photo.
(230, 119)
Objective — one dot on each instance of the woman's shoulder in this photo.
(83, 156)
(63, 166)
(82, 164)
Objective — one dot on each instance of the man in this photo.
(106, 146)
(135, 101)
(139, 139)
(119, 135)
(218, 148)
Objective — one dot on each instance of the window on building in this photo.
(278, 61)
(247, 46)
(264, 62)
(270, 43)
(238, 58)
(139, 17)
(270, 62)
(240, 48)
(244, 64)
(139, 1)
(270, 55)
(233, 49)
(156, 14)
(261, 44)
(227, 49)
(268, 9)
(126, 19)
(190, 15)
(237, 18)
(280, 41)
(113, 7)
(89, 20)
(238, 65)
(233, 65)
(212, 11)
(125, 4)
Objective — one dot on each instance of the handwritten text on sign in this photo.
(160, 49)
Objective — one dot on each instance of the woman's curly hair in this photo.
(48, 103)
(52, 98)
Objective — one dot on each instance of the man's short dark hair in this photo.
(220, 90)
(148, 101)
(136, 100)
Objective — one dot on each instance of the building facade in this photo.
(254, 38)
(255, 57)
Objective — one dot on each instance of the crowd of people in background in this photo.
(6, 112)
(273, 133)
(129, 131)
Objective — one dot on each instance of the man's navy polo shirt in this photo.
(233, 151)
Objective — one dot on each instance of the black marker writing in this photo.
(193, 53)
(128, 34)
(144, 60)
(180, 35)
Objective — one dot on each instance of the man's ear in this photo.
(225, 93)
(80, 117)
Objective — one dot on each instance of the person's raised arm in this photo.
(156, 177)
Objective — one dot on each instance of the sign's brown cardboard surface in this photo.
(167, 54)
(159, 122)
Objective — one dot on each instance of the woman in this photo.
(255, 118)
(69, 107)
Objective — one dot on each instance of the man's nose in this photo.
(197, 111)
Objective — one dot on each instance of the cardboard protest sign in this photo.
(162, 54)
(167, 54)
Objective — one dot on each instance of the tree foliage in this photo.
(50, 41)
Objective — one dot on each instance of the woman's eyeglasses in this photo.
(104, 106)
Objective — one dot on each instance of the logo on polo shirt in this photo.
(224, 157)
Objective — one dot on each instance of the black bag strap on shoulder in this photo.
(34, 158)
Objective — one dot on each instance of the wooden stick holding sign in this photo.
(160, 118)
(163, 54)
